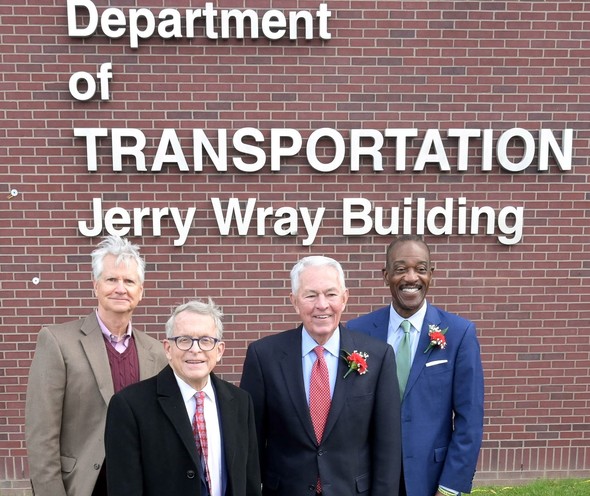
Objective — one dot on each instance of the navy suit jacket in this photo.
(150, 448)
(361, 447)
(442, 408)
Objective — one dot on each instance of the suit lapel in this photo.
(94, 348)
(381, 324)
(342, 386)
(147, 362)
(432, 317)
(229, 428)
(172, 405)
(292, 370)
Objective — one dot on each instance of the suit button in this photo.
(311, 488)
(321, 452)
(97, 466)
(190, 474)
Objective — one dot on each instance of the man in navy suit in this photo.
(184, 431)
(359, 450)
(442, 404)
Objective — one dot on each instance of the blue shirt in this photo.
(331, 355)
(395, 333)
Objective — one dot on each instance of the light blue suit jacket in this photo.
(442, 407)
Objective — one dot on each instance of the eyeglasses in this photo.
(185, 343)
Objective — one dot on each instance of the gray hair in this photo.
(201, 308)
(120, 248)
(314, 261)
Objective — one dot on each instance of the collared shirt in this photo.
(119, 343)
(215, 450)
(395, 334)
(331, 353)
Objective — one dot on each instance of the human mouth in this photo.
(194, 362)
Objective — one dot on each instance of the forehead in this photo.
(409, 252)
(127, 266)
(192, 323)
(319, 278)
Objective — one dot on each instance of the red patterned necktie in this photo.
(319, 397)
(200, 433)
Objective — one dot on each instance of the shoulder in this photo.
(145, 338)
(453, 321)
(68, 326)
(379, 314)
(279, 340)
(461, 333)
(364, 342)
(64, 335)
(223, 386)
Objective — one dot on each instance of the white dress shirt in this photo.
(215, 450)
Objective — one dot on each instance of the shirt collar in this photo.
(109, 335)
(332, 345)
(416, 319)
(188, 391)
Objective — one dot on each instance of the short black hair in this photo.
(403, 239)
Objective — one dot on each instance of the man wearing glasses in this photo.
(184, 431)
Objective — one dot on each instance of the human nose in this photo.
(195, 346)
(120, 288)
(321, 301)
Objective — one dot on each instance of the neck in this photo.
(199, 385)
(117, 324)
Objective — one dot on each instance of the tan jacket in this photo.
(70, 386)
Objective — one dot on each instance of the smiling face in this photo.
(118, 288)
(408, 274)
(320, 301)
(193, 366)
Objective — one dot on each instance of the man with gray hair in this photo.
(326, 399)
(184, 431)
(77, 367)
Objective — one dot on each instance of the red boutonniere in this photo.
(437, 337)
(357, 360)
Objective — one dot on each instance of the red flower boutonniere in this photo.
(357, 360)
(437, 337)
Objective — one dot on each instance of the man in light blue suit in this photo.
(442, 390)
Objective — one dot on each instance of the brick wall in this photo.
(389, 65)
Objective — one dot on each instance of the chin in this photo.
(323, 332)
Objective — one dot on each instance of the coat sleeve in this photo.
(253, 382)
(123, 450)
(386, 432)
(468, 400)
(253, 484)
(43, 416)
